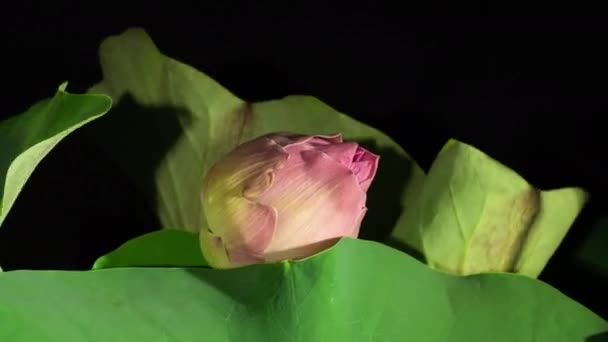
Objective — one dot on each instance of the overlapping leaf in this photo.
(167, 247)
(172, 122)
(356, 291)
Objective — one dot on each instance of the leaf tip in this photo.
(62, 87)
(100, 263)
(134, 34)
(449, 144)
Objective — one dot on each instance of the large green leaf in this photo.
(27, 138)
(339, 295)
(172, 122)
(476, 215)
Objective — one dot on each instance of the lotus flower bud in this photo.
(284, 196)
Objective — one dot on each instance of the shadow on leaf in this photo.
(139, 138)
(384, 196)
(256, 284)
(601, 337)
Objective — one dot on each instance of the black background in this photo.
(530, 91)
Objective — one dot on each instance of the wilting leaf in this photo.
(476, 215)
(27, 138)
(339, 295)
(559, 208)
(172, 122)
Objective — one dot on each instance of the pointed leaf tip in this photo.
(62, 87)
(450, 143)
(23, 147)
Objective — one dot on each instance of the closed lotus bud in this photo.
(284, 196)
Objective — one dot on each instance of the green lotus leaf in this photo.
(166, 247)
(28, 137)
(356, 291)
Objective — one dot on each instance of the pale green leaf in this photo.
(476, 215)
(172, 122)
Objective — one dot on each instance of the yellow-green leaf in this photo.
(476, 215)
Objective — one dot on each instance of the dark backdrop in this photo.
(528, 91)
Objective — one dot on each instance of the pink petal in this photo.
(257, 185)
(243, 171)
(288, 139)
(365, 165)
(213, 250)
(242, 256)
(252, 228)
(316, 199)
(303, 251)
(361, 162)
(248, 230)
(322, 140)
(342, 153)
